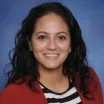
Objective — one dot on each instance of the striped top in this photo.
(70, 96)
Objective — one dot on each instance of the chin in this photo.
(52, 67)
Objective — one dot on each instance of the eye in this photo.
(61, 37)
(42, 37)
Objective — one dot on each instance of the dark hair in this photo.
(23, 62)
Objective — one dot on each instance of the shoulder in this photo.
(94, 79)
(93, 73)
(95, 86)
(21, 94)
(13, 93)
(14, 88)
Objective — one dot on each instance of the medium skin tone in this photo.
(50, 44)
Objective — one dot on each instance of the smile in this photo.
(51, 56)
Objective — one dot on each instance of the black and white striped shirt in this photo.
(70, 96)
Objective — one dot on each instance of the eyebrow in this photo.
(48, 33)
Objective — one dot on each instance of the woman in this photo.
(49, 61)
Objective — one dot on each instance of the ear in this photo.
(30, 45)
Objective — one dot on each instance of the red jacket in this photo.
(21, 94)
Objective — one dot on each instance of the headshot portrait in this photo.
(49, 63)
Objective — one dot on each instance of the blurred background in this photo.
(89, 14)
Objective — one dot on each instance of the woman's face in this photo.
(50, 41)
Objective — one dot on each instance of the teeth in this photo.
(51, 55)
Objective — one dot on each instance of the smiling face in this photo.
(50, 42)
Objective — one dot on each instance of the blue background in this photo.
(89, 14)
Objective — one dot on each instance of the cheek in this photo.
(38, 46)
(64, 46)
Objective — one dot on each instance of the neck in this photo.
(51, 76)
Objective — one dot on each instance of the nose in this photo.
(51, 45)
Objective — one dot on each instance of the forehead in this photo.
(51, 22)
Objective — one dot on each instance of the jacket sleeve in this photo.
(8, 96)
(98, 89)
